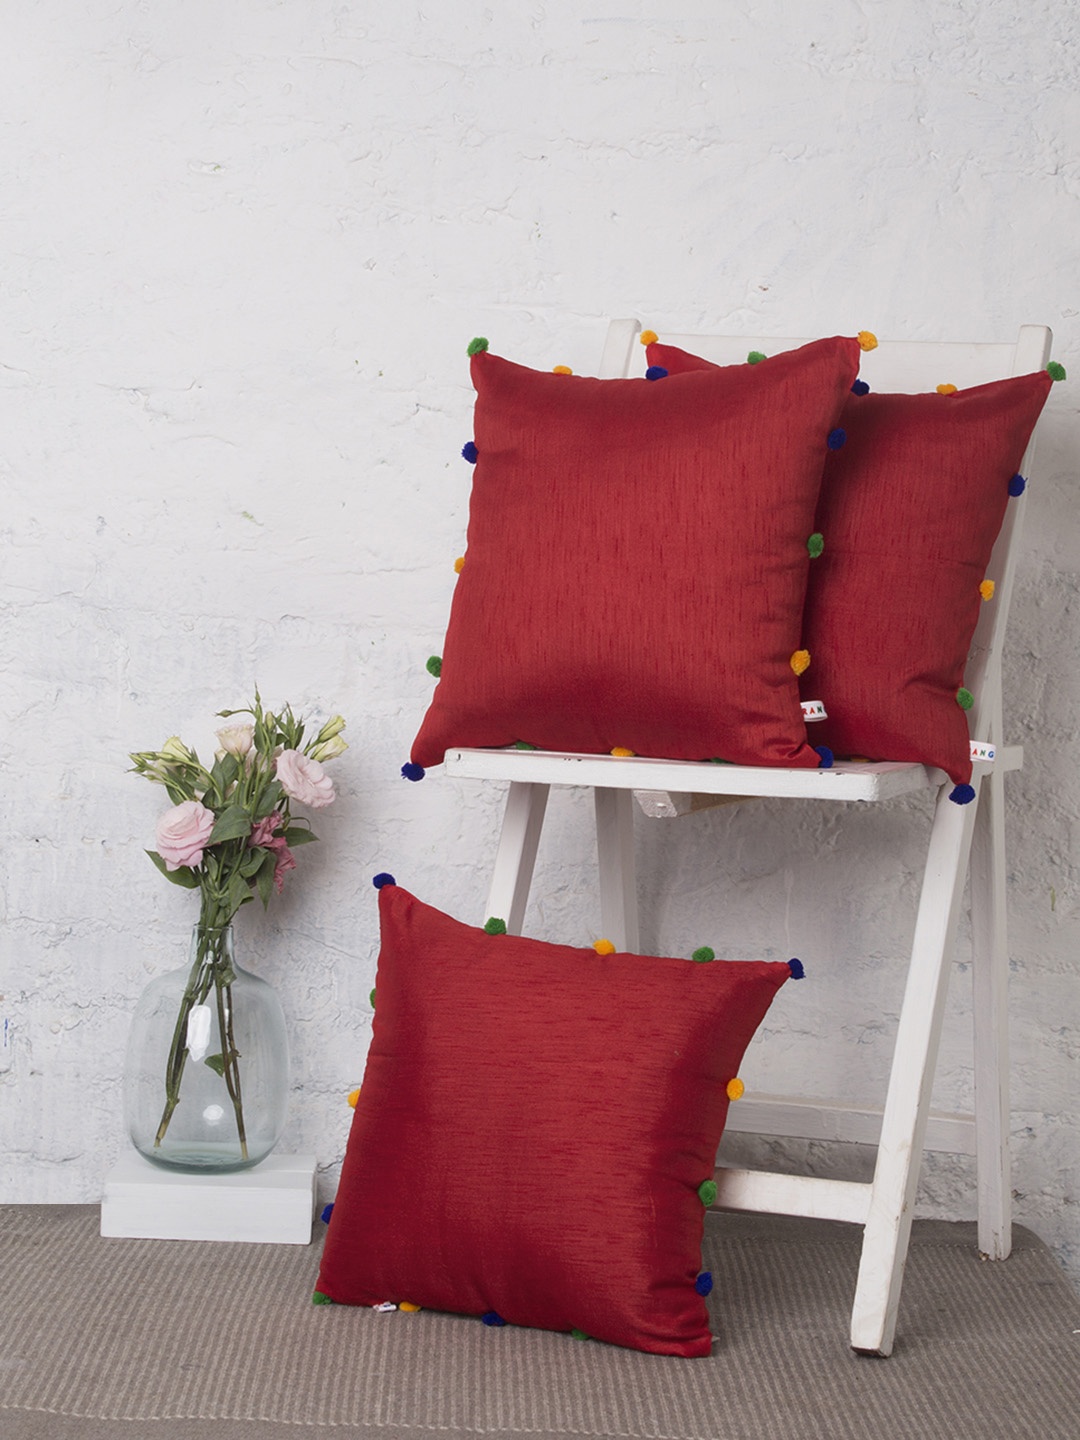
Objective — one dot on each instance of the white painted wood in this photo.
(907, 1104)
(990, 1016)
(802, 1118)
(516, 856)
(807, 1195)
(615, 853)
(555, 767)
(272, 1203)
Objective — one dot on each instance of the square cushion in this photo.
(909, 510)
(533, 1128)
(636, 561)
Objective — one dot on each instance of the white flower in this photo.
(236, 739)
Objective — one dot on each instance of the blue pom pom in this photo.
(411, 771)
(703, 1283)
(383, 878)
(327, 1211)
(469, 452)
(796, 968)
(825, 757)
(492, 1318)
(860, 388)
(656, 372)
(1017, 485)
(837, 439)
(962, 794)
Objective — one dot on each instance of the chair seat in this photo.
(883, 780)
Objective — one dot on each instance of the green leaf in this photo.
(237, 893)
(224, 773)
(264, 880)
(298, 835)
(251, 862)
(216, 1063)
(234, 823)
(269, 800)
(185, 877)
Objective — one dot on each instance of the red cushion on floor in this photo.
(533, 1127)
(636, 561)
(909, 511)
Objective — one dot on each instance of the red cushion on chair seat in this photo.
(909, 510)
(533, 1127)
(637, 561)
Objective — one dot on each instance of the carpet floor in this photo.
(175, 1340)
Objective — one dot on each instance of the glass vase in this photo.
(206, 1080)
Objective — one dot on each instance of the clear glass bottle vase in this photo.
(206, 1079)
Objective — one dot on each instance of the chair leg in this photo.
(615, 851)
(896, 1175)
(523, 820)
(990, 983)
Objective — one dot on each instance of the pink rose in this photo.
(304, 780)
(182, 833)
(263, 835)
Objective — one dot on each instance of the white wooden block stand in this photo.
(272, 1203)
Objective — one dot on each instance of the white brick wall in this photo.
(244, 248)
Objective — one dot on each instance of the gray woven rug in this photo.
(171, 1340)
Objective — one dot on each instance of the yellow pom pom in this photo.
(622, 752)
(562, 370)
(648, 337)
(946, 389)
(800, 661)
(735, 1089)
(867, 340)
(986, 589)
(354, 1096)
(408, 1307)
(859, 760)
(459, 564)
(603, 947)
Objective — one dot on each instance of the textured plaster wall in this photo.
(244, 248)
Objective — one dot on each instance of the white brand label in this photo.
(981, 750)
(813, 710)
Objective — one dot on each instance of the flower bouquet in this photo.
(230, 834)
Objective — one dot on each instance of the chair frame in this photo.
(963, 839)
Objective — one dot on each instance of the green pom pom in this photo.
(707, 1192)
(579, 1335)
(478, 345)
(964, 698)
(816, 544)
(1055, 371)
(371, 999)
(320, 1299)
(755, 357)
(494, 926)
(703, 953)
(434, 665)
(523, 745)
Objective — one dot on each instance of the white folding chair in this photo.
(959, 833)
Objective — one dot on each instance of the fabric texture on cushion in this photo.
(533, 1127)
(909, 511)
(636, 561)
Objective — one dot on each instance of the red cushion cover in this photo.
(637, 561)
(533, 1126)
(909, 511)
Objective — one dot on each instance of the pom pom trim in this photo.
(703, 954)
(1055, 370)
(469, 452)
(1017, 485)
(735, 1089)
(962, 794)
(815, 544)
(837, 439)
(867, 340)
(411, 771)
(707, 1193)
(383, 878)
(478, 346)
(648, 337)
(986, 589)
(492, 1317)
(796, 968)
(756, 357)
(433, 665)
(826, 757)
(656, 372)
(704, 1283)
(860, 388)
(800, 662)
(495, 926)
(603, 947)
(964, 698)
